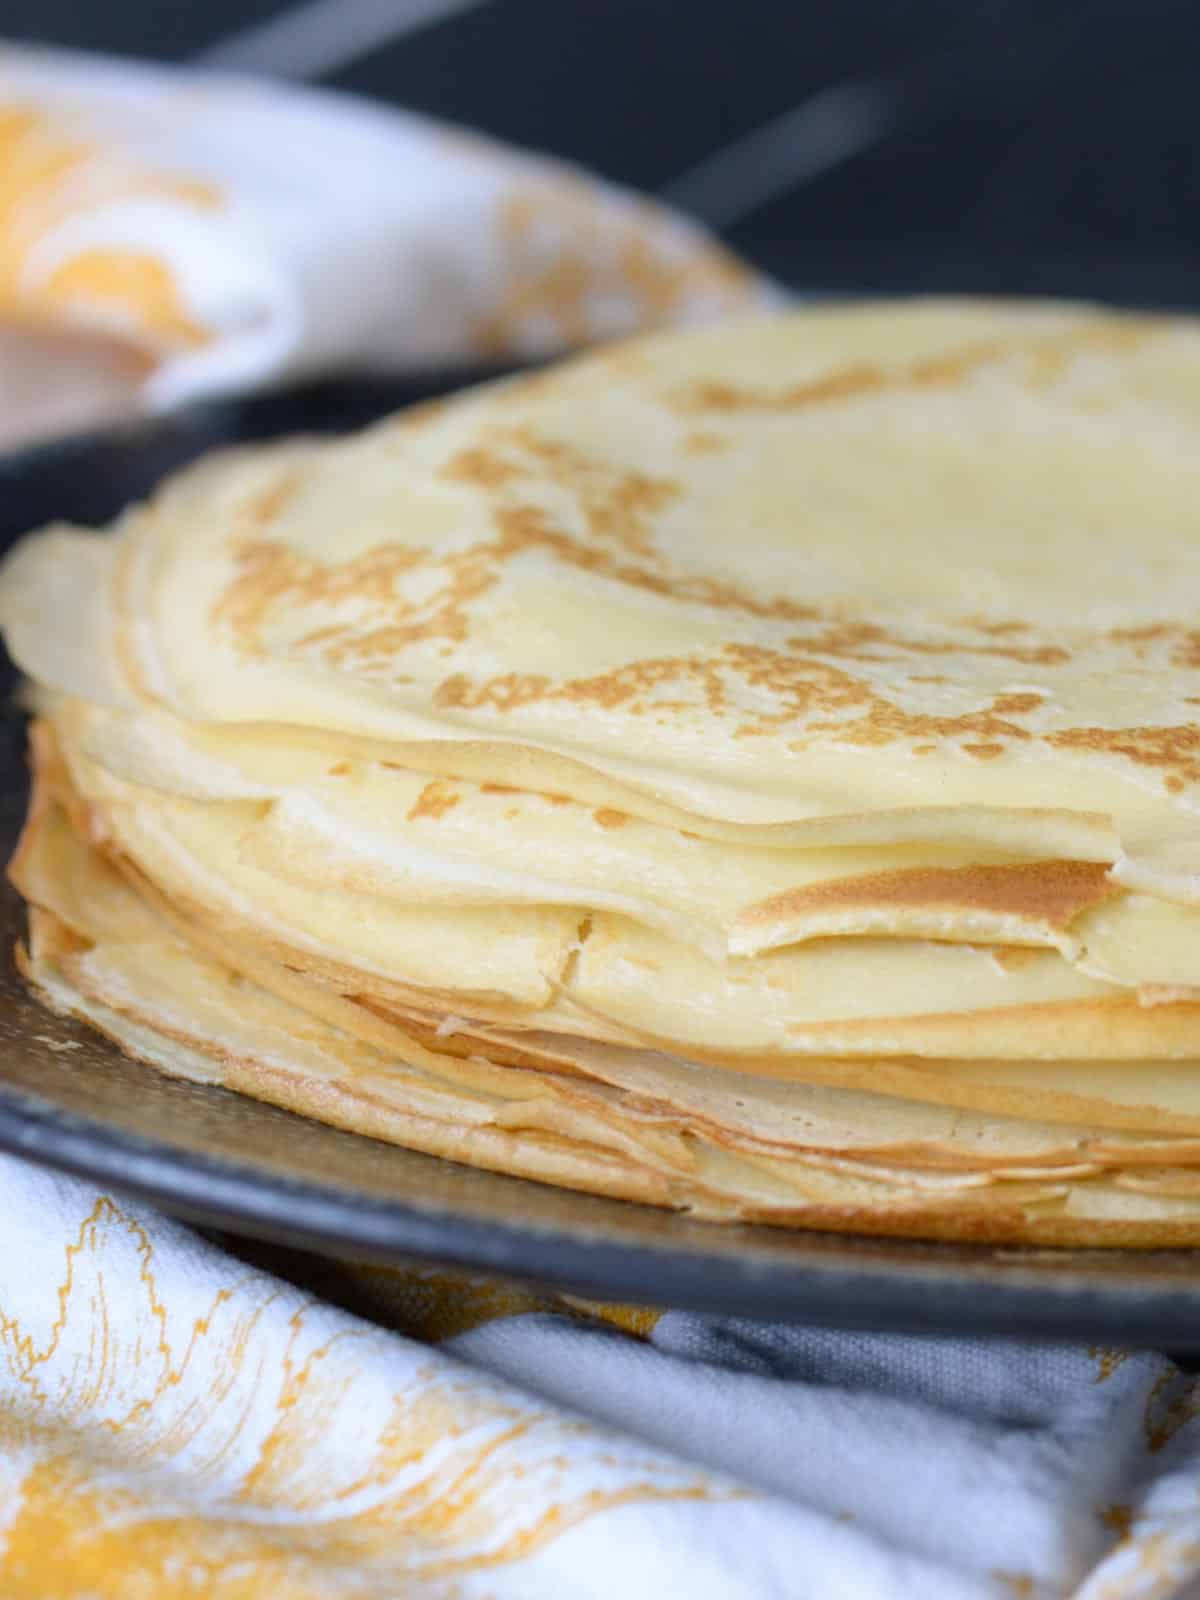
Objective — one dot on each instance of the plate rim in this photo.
(886, 1294)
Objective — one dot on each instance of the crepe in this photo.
(632, 1124)
(595, 972)
(752, 771)
(645, 504)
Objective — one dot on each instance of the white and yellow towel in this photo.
(178, 1423)
(198, 232)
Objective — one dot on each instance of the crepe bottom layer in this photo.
(922, 1148)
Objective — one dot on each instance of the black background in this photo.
(1041, 147)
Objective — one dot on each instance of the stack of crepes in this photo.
(752, 771)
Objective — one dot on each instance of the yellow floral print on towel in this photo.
(176, 1423)
(181, 1417)
(184, 1418)
(238, 231)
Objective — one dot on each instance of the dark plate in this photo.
(70, 1100)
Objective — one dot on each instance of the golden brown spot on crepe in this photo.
(1016, 705)
(627, 687)
(997, 629)
(1041, 357)
(924, 749)
(1051, 892)
(984, 752)
(434, 800)
(269, 572)
(1176, 749)
(808, 686)
(927, 677)
(509, 692)
(482, 467)
(625, 360)
(839, 385)
(339, 769)
(269, 502)
(703, 442)
(868, 641)
(615, 501)
(1146, 633)
(703, 591)
(801, 686)
(1184, 642)
(616, 505)
(606, 817)
(1173, 784)
(1187, 651)
(505, 788)
(272, 577)
(884, 722)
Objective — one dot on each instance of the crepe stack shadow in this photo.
(753, 771)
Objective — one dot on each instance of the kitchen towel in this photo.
(178, 1422)
(168, 233)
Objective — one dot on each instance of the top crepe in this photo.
(793, 570)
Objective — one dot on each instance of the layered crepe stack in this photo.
(755, 771)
